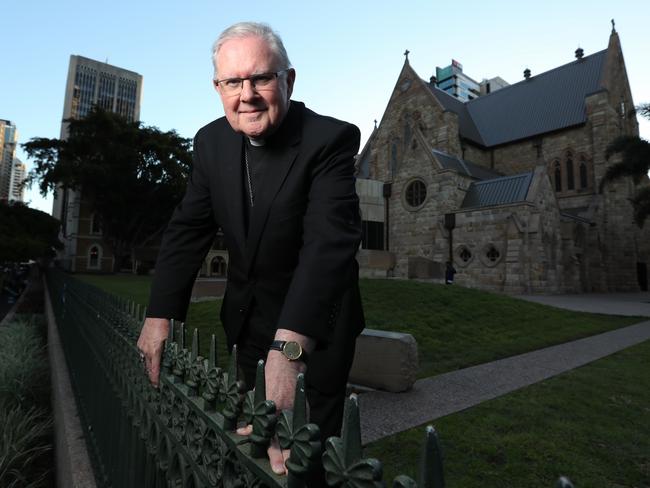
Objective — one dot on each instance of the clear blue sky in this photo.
(347, 54)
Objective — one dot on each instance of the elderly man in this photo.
(278, 179)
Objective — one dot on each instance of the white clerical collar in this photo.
(257, 142)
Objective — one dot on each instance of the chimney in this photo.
(579, 53)
(527, 73)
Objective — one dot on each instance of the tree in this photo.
(635, 163)
(132, 176)
(26, 233)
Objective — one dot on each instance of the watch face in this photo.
(292, 350)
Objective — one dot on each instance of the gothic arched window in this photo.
(218, 266)
(557, 176)
(407, 132)
(95, 224)
(570, 181)
(584, 183)
(393, 156)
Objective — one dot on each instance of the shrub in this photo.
(24, 370)
(25, 419)
(24, 441)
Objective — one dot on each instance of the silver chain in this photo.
(248, 177)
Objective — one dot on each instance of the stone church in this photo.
(505, 186)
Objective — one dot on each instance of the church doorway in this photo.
(218, 266)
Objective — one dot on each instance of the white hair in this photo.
(252, 29)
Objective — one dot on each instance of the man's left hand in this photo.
(281, 376)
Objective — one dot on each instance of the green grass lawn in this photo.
(203, 316)
(454, 327)
(133, 287)
(591, 424)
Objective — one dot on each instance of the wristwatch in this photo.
(292, 350)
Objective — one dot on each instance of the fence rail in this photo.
(182, 434)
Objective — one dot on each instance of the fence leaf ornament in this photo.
(182, 357)
(302, 438)
(342, 459)
(213, 455)
(232, 393)
(195, 434)
(260, 413)
(211, 377)
(195, 366)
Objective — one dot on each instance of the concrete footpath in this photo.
(385, 413)
(628, 304)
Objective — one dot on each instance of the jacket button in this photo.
(242, 311)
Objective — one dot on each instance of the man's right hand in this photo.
(151, 342)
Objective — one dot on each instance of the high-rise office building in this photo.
(18, 176)
(8, 139)
(452, 80)
(492, 85)
(91, 83)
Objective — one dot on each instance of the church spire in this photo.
(614, 41)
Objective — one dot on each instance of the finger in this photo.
(285, 455)
(154, 368)
(248, 430)
(153, 376)
(275, 457)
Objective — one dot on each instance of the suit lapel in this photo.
(283, 150)
(232, 185)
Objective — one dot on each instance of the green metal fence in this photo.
(182, 434)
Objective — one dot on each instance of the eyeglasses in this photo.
(260, 82)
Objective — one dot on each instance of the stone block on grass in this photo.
(385, 360)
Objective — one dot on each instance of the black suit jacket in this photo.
(298, 260)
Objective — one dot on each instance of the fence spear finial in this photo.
(195, 345)
(213, 352)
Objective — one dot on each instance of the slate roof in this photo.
(498, 191)
(546, 102)
(465, 123)
(462, 166)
